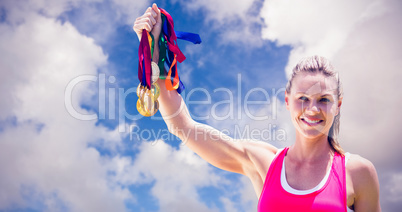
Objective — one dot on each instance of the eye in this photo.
(303, 98)
(325, 100)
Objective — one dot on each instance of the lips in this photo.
(311, 121)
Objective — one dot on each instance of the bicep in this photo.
(235, 155)
(214, 146)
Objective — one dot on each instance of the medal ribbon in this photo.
(145, 58)
(169, 54)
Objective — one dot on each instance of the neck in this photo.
(306, 149)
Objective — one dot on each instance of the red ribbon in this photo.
(144, 65)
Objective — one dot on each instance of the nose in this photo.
(312, 108)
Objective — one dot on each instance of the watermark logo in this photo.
(201, 133)
(238, 105)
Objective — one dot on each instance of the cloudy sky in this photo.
(72, 140)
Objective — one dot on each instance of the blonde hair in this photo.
(318, 64)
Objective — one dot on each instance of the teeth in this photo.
(311, 121)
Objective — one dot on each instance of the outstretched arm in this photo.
(213, 146)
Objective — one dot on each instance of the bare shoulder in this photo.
(365, 183)
(360, 168)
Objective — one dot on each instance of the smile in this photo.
(311, 122)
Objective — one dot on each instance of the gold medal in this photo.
(140, 109)
(147, 105)
(155, 90)
(140, 90)
(155, 108)
(155, 72)
(148, 100)
(140, 103)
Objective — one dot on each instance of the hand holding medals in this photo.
(169, 53)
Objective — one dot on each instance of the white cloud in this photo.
(176, 175)
(369, 64)
(237, 21)
(248, 196)
(311, 27)
(44, 156)
(96, 18)
(228, 205)
(395, 188)
(16, 10)
(129, 10)
(221, 11)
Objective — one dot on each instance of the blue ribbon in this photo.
(191, 37)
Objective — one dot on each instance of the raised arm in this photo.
(213, 146)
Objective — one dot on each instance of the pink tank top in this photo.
(329, 197)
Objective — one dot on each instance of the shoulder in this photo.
(360, 168)
(365, 183)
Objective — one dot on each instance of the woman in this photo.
(314, 174)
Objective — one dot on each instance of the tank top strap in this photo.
(276, 165)
(339, 172)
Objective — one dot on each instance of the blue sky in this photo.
(63, 60)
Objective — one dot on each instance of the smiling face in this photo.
(313, 103)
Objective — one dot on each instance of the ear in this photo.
(338, 109)
(287, 100)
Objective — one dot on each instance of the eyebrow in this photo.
(327, 94)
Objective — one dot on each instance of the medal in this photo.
(140, 89)
(155, 72)
(140, 109)
(149, 72)
(147, 105)
(155, 90)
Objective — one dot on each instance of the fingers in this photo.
(147, 21)
(155, 9)
(149, 17)
(157, 14)
(138, 27)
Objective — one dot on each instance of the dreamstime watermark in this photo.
(201, 133)
(237, 107)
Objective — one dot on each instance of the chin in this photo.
(313, 135)
(312, 132)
